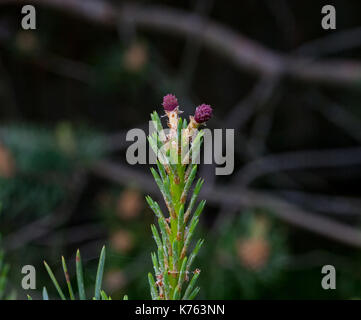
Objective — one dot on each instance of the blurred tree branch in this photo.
(247, 55)
(299, 159)
(43, 226)
(192, 48)
(236, 48)
(331, 205)
(336, 114)
(232, 195)
(332, 44)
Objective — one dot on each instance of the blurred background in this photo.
(93, 69)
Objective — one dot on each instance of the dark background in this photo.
(92, 70)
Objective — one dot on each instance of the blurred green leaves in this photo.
(249, 257)
(35, 164)
(122, 68)
(4, 273)
(4, 269)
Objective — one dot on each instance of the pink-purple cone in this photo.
(203, 113)
(170, 102)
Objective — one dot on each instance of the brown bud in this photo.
(122, 241)
(135, 57)
(176, 179)
(129, 204)
(115, 280)
(27, 41)
(7, 163)
(253, 253)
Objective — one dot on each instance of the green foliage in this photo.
(4, 272)
(123, 213)
(32, 196)
(120, 68)
(4, 269)
(39, 150)
(172, 263)
(99, 294)
(249, 257)
(39, 162)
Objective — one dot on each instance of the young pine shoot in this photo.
(177, 152)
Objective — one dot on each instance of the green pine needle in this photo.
(55, 282)
(79, 276)
(45, 294)
(100, 271)
(71, 294)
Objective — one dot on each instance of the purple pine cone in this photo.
(203, 113)
(170, 102)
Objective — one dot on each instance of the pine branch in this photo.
(174, 178)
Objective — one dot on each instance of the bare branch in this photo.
(297, 160)
(236, 48)
(336, 114)
(332, 43)
(260, 94)
(243, 197)
(335, 205)
(44, 225)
